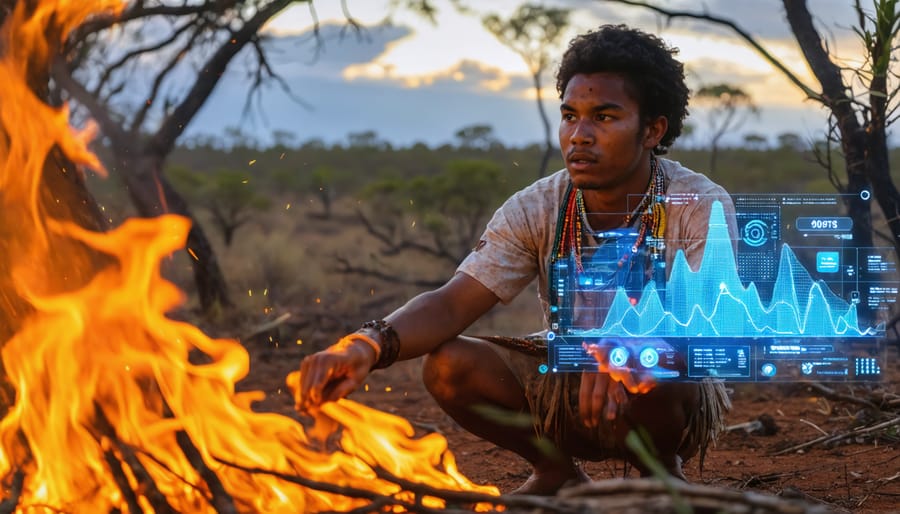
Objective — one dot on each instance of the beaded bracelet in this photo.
(369, 341)
(390, 343)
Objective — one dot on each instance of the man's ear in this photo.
(655, 130)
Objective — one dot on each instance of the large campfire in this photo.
(106, 411)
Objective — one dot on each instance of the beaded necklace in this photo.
(573, 217)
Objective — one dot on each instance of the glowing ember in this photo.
(109, 413)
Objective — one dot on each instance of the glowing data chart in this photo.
(789, 277)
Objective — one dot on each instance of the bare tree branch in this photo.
(136, 12)
(393, 247)
(746, 36)
(212, 70)
(346, 267)
(138, 52)
(138, 120)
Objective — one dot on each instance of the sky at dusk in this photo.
(409, 80)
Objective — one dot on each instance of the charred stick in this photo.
(221, 501)
(348, 491)
(156, 460)
(8, 505)
(426, 490)
(157, 500)
(121, 479)
(377, 505)
(377, 500)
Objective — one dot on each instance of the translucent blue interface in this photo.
(786, 294)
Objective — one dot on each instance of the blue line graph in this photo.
(713, 302)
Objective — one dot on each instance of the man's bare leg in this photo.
(466, 373)
(663, 414)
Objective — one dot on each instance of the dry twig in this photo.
(840, 437)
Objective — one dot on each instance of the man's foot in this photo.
(547, 483)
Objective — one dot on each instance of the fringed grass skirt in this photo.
(553, 401)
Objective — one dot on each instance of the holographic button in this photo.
(649, 357)
(618, 356)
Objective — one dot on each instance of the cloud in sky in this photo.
(419, 82)
(396, 107)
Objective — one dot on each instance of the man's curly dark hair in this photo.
(653, 75)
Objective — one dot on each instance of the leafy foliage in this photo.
(728, 108)
(440, 215)
(228, 194)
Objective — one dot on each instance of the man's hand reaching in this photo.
(335, 372)
(604, 393)
(600, 397)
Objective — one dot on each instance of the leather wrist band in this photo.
(390, 343)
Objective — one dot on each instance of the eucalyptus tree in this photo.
(532, 31)
(145, 73)
(728, 107)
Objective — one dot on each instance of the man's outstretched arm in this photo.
(422, 325)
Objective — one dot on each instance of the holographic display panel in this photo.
(785, 295)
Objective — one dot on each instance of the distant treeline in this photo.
(328, 173)
(791, 165)
(324, 219)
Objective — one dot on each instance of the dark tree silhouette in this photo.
(144, 75)
(729, 107)
(531, 32)
(142, 127)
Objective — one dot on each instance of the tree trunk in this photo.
(853, 137)
(152, 195)
(878, 159)
(548, 143)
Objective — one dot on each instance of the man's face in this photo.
(601, 136)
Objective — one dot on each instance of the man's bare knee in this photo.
(445, 369)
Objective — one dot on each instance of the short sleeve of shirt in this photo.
(517, 242)
(504, 260)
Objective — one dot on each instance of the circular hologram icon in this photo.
(543, 368)
(755, 233)
(618, 356)
(767, 369)
(649, 357)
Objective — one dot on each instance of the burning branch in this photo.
(221, 501)
(8, 505)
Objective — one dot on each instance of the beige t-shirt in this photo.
(518, 242)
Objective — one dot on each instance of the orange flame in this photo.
(102, 376)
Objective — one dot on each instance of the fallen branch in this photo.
(840, 437)
(145, 482)
(128, 494)
(644, 495)
(9, 504)
(834, 395)
(221, 501)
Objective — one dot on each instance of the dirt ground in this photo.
(857, 475)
